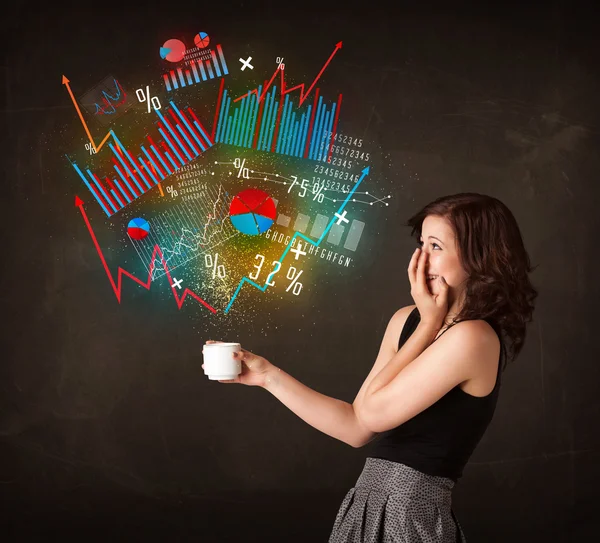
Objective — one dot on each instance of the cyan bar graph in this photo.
(244, 123)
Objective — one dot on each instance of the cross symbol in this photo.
(298, 251)
(177, 283)
(246, 63)
(341, 218)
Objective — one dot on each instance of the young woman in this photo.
(433, 389)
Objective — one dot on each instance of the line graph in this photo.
(284, 91)
(66, 82)
(104, 102)
(187, 231)
(111, 103)
(117, 288)
(365, 172)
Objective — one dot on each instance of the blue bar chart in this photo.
(201, 70)
(272, 125)
(184, 139)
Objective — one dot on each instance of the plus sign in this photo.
(246, 63)
(341, 218)
(177, 283)
(298, 251)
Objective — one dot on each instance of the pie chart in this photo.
(201, 40)
(172, 50)
(138, 228)
(252, 212)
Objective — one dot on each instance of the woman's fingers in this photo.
(243, 354)
(229, 380)
(412, 266)
(421, 280)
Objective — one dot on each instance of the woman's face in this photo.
(438, 241)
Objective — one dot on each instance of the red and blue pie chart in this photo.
(252, 212)
(201, 40)
(138, 228)
(173, 50)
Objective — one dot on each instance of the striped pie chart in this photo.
(252, 212)
(138, 228)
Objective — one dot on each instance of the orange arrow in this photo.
(66, 82)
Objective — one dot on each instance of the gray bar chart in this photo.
(336, 231)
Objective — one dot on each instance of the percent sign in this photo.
(318, 193)
(280, 63)
(294, 277)
(172, 191)
(217, 269)
(242, 172)
(90, 148)
(146, 98)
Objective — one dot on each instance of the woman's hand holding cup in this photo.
(254, 368)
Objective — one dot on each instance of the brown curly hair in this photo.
(492, 253)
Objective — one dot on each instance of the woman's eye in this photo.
(420, 244)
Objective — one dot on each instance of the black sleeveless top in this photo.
(439, 440)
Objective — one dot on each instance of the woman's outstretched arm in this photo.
(331, 416)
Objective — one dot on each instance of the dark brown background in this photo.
(107, 429)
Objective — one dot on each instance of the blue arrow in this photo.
(365, 172)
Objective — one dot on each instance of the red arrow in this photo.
(338, 46)
(117, 288)
(284, 91)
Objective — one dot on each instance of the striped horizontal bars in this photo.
(184, 139)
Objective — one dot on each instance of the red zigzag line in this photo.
(118, 287)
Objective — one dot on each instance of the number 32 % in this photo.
(292, 274)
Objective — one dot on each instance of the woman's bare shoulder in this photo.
(486, 368)
(398, 320)
(402, 314)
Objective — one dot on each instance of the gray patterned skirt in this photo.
(394, 503)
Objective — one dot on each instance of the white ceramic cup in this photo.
(219, 362)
